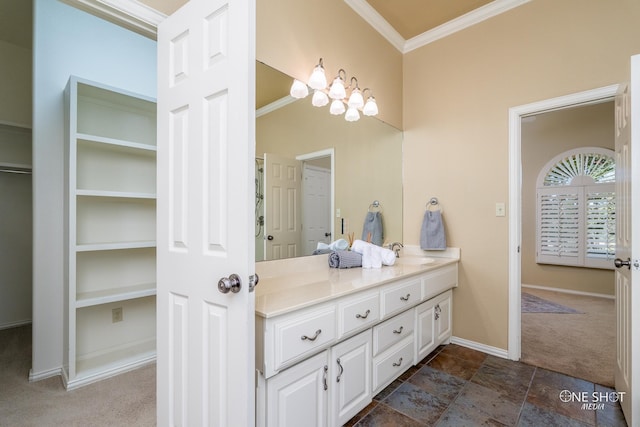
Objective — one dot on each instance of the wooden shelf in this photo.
(115, 142)
(115, 246)
(88, 299)
(121, 194)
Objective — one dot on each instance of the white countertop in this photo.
(288, 285)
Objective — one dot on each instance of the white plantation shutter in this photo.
(560, 220)
(576, 209)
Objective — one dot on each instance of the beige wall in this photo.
(547, 136)
(15, 90)
(457, 93)
(368, 160)
(292, 35)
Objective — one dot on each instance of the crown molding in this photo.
(275, 105)
(465, 21)
(130, 14)
(373, 18)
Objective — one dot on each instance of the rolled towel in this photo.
(387, 256)
(345, 259)
(432, 232)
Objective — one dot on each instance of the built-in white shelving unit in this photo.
(111, 227)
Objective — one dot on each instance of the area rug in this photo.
(534, 304)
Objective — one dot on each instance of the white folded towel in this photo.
(386, 256)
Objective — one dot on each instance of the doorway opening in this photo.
(516, 116)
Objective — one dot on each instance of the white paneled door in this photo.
(282, 228)
(206, 116)
(627, 375)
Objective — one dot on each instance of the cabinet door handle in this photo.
(398, 331)
(437, 311)
(405, 298)
(304, 337)
(324, 377)
(363, 316)
(341, 370)
(398, 363)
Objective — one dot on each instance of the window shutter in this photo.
(559, 230)
(600, 226)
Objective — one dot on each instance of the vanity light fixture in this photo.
(337, 93)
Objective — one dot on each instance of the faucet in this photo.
(395, 246)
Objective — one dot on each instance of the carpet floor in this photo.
(125, 400)
(579, 344)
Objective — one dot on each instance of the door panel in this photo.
(627, 141)
(282, 227)
(205, 214)
(316, 207)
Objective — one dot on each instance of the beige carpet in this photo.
(581, 345)
(125, 400)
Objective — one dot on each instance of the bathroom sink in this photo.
(416, 260)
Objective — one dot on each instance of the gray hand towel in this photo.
(345, 259)
(373, 225)
(432, 232)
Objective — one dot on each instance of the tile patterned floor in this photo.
(457, 386)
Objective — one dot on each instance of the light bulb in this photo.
(356, 100)
(371, 107)
(298, 89)
(320, 99)
(337, 90)
(352, 115)
(337, 107)
(318, 80)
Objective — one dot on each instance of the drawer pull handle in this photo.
(324, 377)
(363, 316)
(398, 363)
(341, 370)
(304, 337)
(405, 298)
(398, 331)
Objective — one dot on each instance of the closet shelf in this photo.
(121, 194)
(115, 246)
(87, 299)
(116, 142)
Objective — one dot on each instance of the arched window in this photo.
(576, 202)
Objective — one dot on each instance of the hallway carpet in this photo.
(580, 344)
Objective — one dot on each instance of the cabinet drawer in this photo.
(392, 331)
(358, 313)
(400, 297)
(390, 365)
(439, 281)
(302, 334)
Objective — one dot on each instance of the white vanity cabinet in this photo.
(321, 363)
(433, 324)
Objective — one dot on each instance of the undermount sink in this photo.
(415, 260)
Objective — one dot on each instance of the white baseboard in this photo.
(569, 291)
(15, 324)
(494, 351)
(43, 375)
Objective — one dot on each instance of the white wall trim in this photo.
(598, 95)
(275, 105)
(130, 14)
(382, 26)
(494, 351)
(465, 21)
(43, 375)
(569, 291)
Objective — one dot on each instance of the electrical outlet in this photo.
(116, 315)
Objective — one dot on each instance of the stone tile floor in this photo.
(457, 386)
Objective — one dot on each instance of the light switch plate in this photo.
(500, 209)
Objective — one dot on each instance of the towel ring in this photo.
(375, 205)
(433, 203)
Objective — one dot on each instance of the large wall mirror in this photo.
(317, 175)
